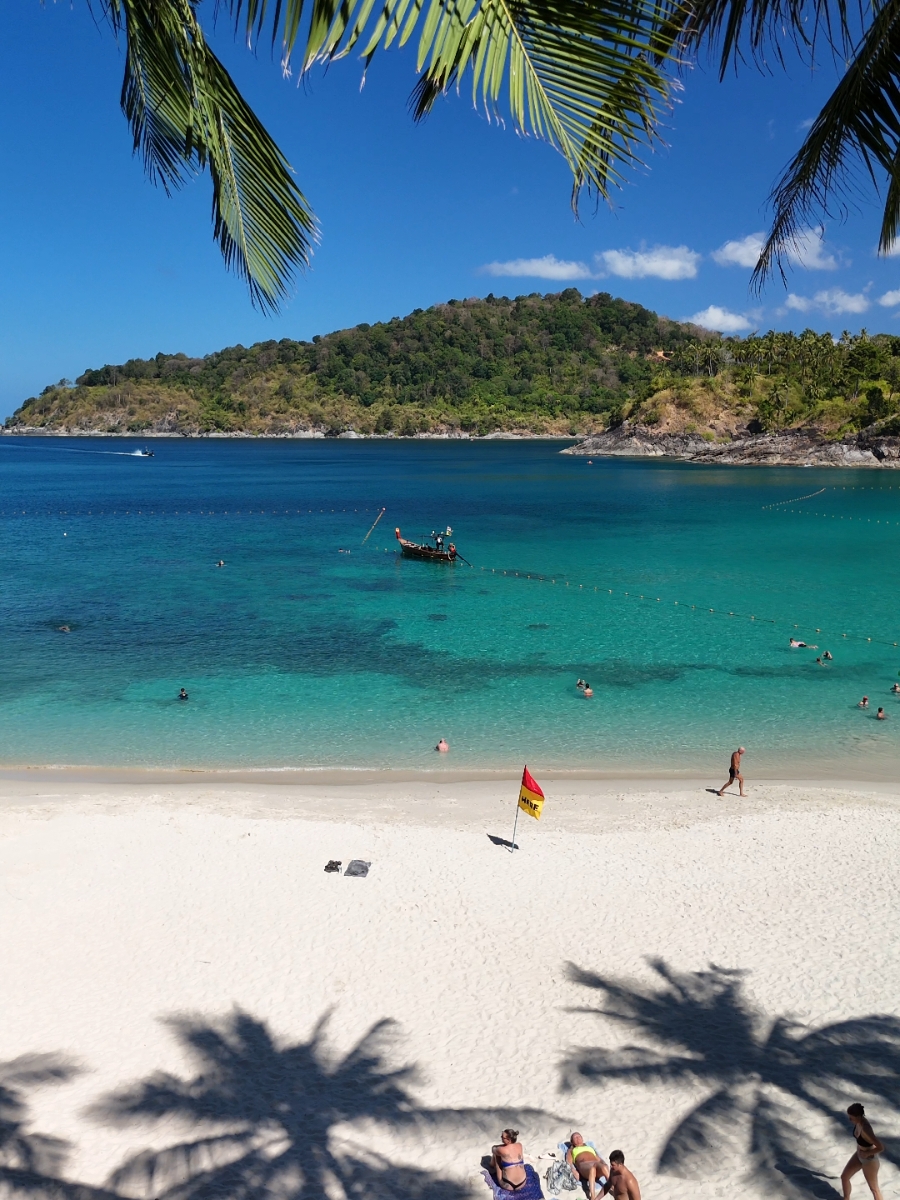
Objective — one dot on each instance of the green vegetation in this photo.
(560, 364)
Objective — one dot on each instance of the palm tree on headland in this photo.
(764, 1074)
(267, 1118)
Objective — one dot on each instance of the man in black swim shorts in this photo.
(734, 771)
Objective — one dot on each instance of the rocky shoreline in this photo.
(787, 447)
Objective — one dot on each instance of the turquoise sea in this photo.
(298, 655)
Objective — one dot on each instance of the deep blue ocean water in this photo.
(297, 655)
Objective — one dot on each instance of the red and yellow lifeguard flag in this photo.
(531, 798)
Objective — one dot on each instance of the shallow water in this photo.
(295, 654)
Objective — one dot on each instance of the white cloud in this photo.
(808, 251)
(834, 302)
(720, 319)
(804, 125)
(889, 299)
(742, 252)
(894, 251)
(663, 262)
(548, 267)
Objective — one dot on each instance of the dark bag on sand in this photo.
(333, 864)
(358, 868)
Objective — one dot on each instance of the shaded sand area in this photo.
(196, 1007)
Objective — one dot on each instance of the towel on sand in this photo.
(563, 1149)
(530, 1191)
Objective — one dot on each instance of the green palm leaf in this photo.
(859, 124)
(186, 115)
(587, 78)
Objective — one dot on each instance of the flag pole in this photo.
(515, 823)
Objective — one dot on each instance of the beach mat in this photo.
(357, 868)
(531, 1190)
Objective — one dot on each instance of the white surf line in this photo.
(796, 500)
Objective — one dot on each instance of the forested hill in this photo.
(558, 363)
(562, 364)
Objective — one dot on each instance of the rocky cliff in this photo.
(790, 447)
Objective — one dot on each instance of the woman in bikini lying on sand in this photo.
(869, 1146)
(509, 1161)
(585, 1163)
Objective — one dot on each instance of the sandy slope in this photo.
(120, 908)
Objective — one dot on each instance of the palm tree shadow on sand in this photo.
(268, 1119)
(772, 1081)
(31, 1163)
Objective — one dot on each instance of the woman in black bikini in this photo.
(509, 1161)
(866, 1157)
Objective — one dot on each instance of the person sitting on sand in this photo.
(621, 1183)
(182, 695)
(586, 1164)
(508, 1161)
(442, 746)
(881, 715)
(864, 703)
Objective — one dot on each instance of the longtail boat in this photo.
(435, 553)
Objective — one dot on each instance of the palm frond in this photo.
(586, 78)
(732, 30)
(859, 125)
(186, 114)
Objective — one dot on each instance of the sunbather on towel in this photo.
(585, 1163)
(509, 1161)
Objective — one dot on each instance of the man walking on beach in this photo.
(734, 772)
(621, 1183)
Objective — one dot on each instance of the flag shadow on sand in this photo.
(275, 1120)
(774, 1084)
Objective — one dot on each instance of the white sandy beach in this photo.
(124, 905)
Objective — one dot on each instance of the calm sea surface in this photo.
(298, 655)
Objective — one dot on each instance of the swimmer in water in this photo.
(182, 695)
(896, 688)
(797, 645)
(881, 715)
(221, 562)
(588, 691)
(581, 685)
(828, 655)
(66, 629)
(864, 703)
(442, 746)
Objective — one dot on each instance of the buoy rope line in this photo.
(682, 605)
(796, 500)
(177, 512)
(800, 512)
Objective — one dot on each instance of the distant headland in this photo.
(559, 365)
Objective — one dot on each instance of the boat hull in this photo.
(411, 550)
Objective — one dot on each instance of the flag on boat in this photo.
(531, 798)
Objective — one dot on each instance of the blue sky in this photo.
(99, 266)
